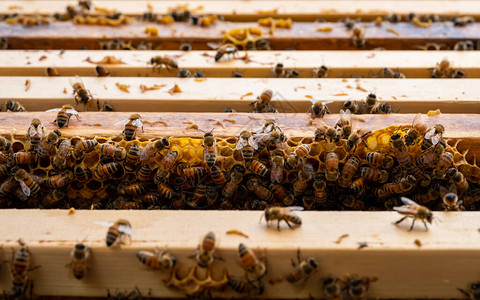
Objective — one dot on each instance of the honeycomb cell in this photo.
(17, 146)
(231, 140)
(101, 140)
(94, 185)
(237, 155)
(226, 151)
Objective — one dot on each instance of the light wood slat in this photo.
(302, 35)
(414, 64)
(246, 10)
(465, 126)
(391, 253)
(215, 94)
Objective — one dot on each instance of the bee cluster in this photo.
(337, 168)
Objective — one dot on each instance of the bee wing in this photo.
(25, 188)
(125, 229)
(452, 189)
(295, 208)
(54, 110)
(121, 122)
(259, 129)
(253, 142)
(346, 115)
(76, 80)
(405, 209)
(436, 139)
(144, 153)
(240, 144)
(408, 201)
(103, 223)
(416, 119)
(137, 123)
(32, 131)
(429, 134)
(72, 111)
(327, 102)
(213, 46)
(276, 174)
(269, 128)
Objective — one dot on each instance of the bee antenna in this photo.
(261, 217)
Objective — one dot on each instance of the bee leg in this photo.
(278, 225)
(288, 223)
(424, 223)
(413, 223)
(215, 256)
(400, 221)
(298, 255)
(459, 289)
(34, 268)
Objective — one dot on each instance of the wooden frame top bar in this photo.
(215, 94)
(414, 64)
(238, 10)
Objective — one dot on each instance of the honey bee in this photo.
(59, 181)
(28, 184)
(19, 271)
(302, 150)
(369, 103)
(382, 108)
(358, 37)
(45, 147)
(458, 179)
(165, 190)
(254, 267)
(276, 173)
(280, 193)
(159, 61)
(260, 191)
(5, 145)
(292, 162)
(417, 130)
(278, 70)
(53, 198)
(64, 114)
(86, 145)
(252, 288)
(283, 214)
(217, 176)
(319, 187)
(269, 126)
(52, 72)
(319, 109)
(262, 103)
(430, 155)
(35, 132)
(450, 199)
(404, 185)
(82, 95)
(331, 166)
(63, 153)
(348, 171)
(375, 175)
(444, 162)
(352, 106)
(441, 69)
(389, 73)
(14, 106)
(400, 150)
(144, 173)
(151, 149)
(205, 253)
(135, 189)
(210, 151)
(158, 260)
(231, 186)
(117, 232)
(357, 287)
(356, 138)
(327, 133)
(106, 171)
(377, 159)
(184, 73)
(106, 107)
(131, 163)
(304, 176)
(25, 158)
(433, 136)
(303, 269)
(246, 144)
(102, 71)
(225, 49)
(131, 125)
(332, 288)
(411, 209)
(78, 264)
(473, 293)
(258, 168)
(320, 72)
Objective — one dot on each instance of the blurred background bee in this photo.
(52, 72)
(283, 214)
(79, 258)
(303, 269)
(14, 106)
(473, 293)
(320, 72)
(159, 61)
(225, 49)
(131, 125)
(251, 288)
(64, 114)
(117, 232)
(319, 109)
(450, 199)
(102, 71)
(82, 95)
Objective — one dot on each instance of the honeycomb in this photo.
(178, 177)
(245, 38)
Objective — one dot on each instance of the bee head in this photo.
(429, 217)
(312, 262)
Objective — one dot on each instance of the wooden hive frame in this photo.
(443, 261)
